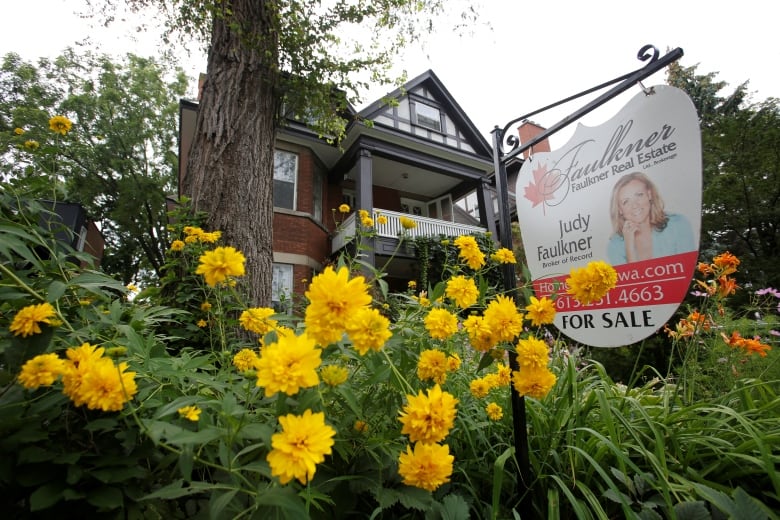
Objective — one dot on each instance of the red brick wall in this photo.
(299, 235)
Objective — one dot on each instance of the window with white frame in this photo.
(285, 179)
(282, 287)
(427, 116)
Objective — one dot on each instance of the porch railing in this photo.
(392, 229)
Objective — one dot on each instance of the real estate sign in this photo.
(629, 193)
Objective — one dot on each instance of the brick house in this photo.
(421, 157)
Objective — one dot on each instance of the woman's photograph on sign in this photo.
(642, 228)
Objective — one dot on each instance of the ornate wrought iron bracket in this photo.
(647, 52)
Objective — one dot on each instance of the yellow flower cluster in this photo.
(28, 320)
(434, 364)
(338, 305)
(333, 375)
(590, 283)
(470, 252)
(407, 223)
(534, 378)
(365, 218)
(462, 290)
(482, 386)
(217, 265)
(60, 125)
(191, 413)
(88, 378)
(504, 256)
(195, 234)
(427, 419)
(257, 320)
(300, 446)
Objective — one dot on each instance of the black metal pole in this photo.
(519, 423)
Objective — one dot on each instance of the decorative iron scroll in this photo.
(509, 143)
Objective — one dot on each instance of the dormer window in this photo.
(427, 116)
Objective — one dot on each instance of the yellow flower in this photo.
(28, 320)
(494, 412)
(367, 222)
(503, 375)
(344, 208)
(360, 426)
(381, 220)
(503, 318)
(453, 362)
(210, 238)
(191, 413)
(479, 388)
(592, 282)
(202, 323)
(42, 370)
(220, 263)
(432, 365)
(191, 239)
(288, 365)
(441, 324)
(462, 290)
(256, 319)
(407, 223)
(205, 306)
(333, 375)
(364, 214)
(427, 467)
(104, 385)
(80, 360)
(333, 299)
(19, 131)
(504, 256)
(60, 125)
(532, 353)
(177, 245)
(300, 446)
(540, 312)
(245, 359)
(192, 231)
(132, 287)
(480, 334)
(428, 418)
(470, 252)
(533, 382)
(411, 284)
(32, 144)
(368, 329)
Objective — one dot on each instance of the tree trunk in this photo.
(230, 168)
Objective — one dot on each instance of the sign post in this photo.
(573, 230)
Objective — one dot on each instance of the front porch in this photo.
(425, 227)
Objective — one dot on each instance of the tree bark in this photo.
(230, 168)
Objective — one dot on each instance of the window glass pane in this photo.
(284, 195)
(281, 287)
(428, 116)
(285, 178)
(285, 165)
(317, 197)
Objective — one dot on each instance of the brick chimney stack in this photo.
(528, 130)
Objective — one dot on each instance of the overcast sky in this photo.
(533, 53)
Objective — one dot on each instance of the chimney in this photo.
(528, 130)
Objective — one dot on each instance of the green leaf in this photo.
(46, 496)
(106, 498)
(692, 511)
(55, 291)
(454, 507)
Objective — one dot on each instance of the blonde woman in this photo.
(642, 228)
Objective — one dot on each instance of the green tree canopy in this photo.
(741, 149)
(118, 160)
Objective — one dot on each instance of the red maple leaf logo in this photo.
(544, 185)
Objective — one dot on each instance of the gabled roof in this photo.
(437, 92)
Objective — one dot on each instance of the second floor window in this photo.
(285, 179)
(428, 116)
